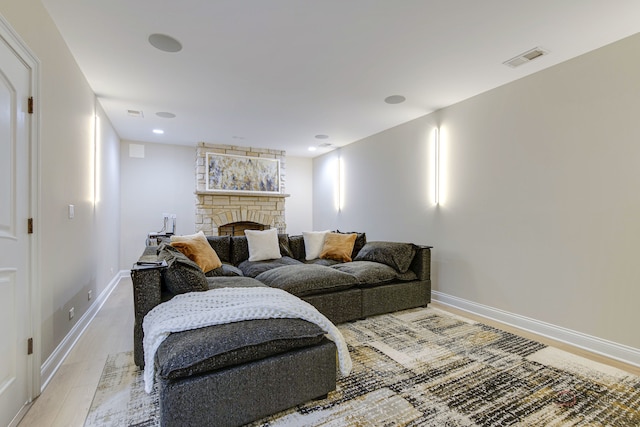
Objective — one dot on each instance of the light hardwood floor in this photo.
(66, 400)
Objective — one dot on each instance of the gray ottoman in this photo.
(230, 375)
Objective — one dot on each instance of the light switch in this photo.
(72, 211)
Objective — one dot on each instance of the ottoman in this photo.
(232, 374)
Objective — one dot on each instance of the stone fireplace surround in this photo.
(217, 208)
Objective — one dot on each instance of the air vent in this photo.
(135, 113)
(525, 57)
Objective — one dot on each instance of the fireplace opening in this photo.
(237, 228)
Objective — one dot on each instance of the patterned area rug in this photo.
(425, 367)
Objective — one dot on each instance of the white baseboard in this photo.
(55, 360)
(596, 345)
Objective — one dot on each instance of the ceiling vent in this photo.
(135, 113)
(523, 58)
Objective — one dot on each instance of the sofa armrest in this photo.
(147, 293)
(421, 264)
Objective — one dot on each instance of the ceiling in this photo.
(276, 73)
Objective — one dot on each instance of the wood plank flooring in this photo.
(66, 400)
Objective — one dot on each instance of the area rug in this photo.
(426, 367)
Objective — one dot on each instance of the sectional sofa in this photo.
(273, 363)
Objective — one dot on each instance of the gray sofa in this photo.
(275, 364)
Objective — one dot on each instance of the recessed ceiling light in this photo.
(158, 131)
(312, 148)
(165, 115)
(395, 99)
(322, 136)
(165, 43)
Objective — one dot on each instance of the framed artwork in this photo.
(226, 172)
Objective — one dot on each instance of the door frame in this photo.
(22, 50)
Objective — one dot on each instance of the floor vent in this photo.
(525, 57)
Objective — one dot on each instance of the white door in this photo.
(15, 316)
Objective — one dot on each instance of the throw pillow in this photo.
(181, 275)
(393, 254)
(197, 248)
(263, 245)
(313, 243)
(361, 240)
(338, 246)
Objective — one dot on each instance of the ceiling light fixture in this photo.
(165, 115)
(395, 99)
(322, 136)
(135, 113)
(312, 148)
(165, 43)
(158, 131)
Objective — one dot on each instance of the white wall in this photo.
(74, 255)
(161, 182)
(299, 184)
(540, 214)
(164, 181)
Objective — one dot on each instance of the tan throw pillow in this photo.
(197, 248)
(338, 246)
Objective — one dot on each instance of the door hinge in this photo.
(30, 105)
(30, 226)
(30, 346)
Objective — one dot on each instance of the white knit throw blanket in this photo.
(227, 305)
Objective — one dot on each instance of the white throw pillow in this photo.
(263, 245)
(313, 243)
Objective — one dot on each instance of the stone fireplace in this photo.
(216, 209)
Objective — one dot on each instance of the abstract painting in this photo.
(230, 173)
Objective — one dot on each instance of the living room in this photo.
(535, 226)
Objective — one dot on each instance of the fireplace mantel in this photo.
(239, 194)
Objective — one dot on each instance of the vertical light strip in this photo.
(436, 164)
(341, 179)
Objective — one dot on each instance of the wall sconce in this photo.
(436, 166)
(338, 186)
(341, 180)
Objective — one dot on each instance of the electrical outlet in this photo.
(71, 313)
(89, 295)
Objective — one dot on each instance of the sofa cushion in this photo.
(296, 243)
(313, 243)
(225, 270)
(361, 240)
(234, 282)
(239, 249)
(393, 254)
(283, 242)
(208, 349)
(323, 261)
(338, 246)
(373, 273)
(254, 268)
(307, 279)
(197, 248)
(263, 244)
(222, 246)
(181, 275)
